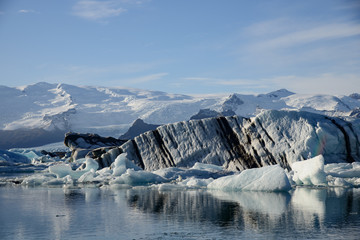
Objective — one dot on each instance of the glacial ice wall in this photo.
(237, 143)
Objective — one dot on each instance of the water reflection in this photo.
(93, 213)
(309, 212)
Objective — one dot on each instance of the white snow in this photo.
(309, 172)
(110, 111)
(62, 170)
(123, 173)
(270, 178)
(121, 164)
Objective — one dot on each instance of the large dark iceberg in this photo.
(237, 143)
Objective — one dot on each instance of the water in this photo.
(142, 213)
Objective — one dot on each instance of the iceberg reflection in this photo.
(145, 213)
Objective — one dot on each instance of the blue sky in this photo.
(190, 47)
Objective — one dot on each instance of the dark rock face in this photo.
(355, 113)
(104, 155)
(232, 103)
(91, 145)
(355, 96)
(89, 141)
(205, 113)
(236, 143)
(138, 127)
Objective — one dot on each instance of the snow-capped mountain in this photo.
(110, 111)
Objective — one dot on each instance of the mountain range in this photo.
(43, 112)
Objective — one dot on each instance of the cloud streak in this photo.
(97, 10)
(26, 11)
(147, 78)
(276, 34)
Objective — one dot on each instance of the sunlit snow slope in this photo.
(111, 111)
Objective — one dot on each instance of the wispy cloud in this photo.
(222, 81)
(26, 11)
(147, 78)
(97, 10)
(197, 79)
(285, 33)
(324, 32)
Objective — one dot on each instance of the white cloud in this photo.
(96, 10)
(147, 78)
(276, 34)
(26, 11)
(197, 79)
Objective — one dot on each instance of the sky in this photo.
(184, 46)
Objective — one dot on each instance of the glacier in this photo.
(237, 142)
(43, 112)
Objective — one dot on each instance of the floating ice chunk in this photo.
(270, 178)
(171, 173)
(207, 167)
(62, 170)
(121, 164)
(343, 170)
(196, 183)
(87, 177)
(37, 179)
(169, 187)
(338, 182)
(133, 178)
(13, 157)
(309, 172)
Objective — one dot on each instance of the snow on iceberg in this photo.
(343, 170)
(269, 178)
(62, 170)
(343, 174)
(121, 164)
(133, 178)
(309, 172)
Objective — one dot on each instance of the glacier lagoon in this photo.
(145, 213)
(125, 202)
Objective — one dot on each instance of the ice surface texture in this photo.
(236, 143)
(270, 178)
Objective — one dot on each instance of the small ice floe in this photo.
(270, 178)
(343, 174)
(309, 172)
(62, 170)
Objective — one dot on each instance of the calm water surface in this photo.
(93, 213)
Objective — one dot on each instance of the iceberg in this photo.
(134, 178)
(62, 170)
(309, 172)
(121, 164)
(269, 178)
